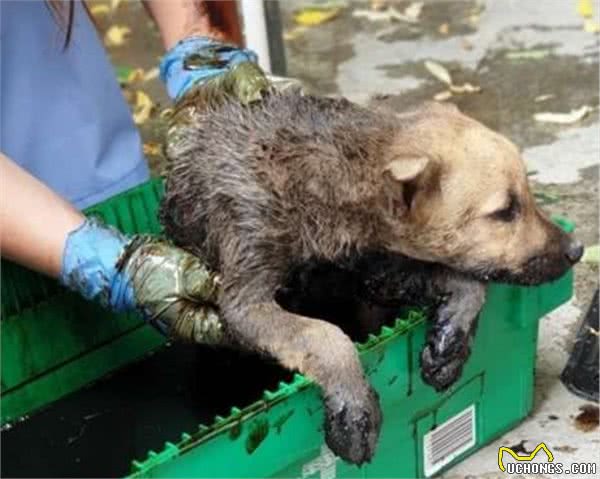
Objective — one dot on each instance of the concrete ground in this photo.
(528, 57)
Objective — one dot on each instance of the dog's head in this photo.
(457, 193)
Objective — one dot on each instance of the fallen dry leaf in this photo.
(99, 9)
(114, 4)
(115, 36)
(151, 74)
(139, 75)
(294, 33)
(413, 11)
(410, 14)
(152, 148)
(591, 254)
(466, 88)
(312, 16)
(142, 107)
(444, 28)
(532, 54)
(563, 118)
(585, 8)
(466, 44)
(136, 75)
(590, 26)
(443, 95)
(378, 4)
(541, 98)
(439, 72)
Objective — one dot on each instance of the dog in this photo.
(426, 204)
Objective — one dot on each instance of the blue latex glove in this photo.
(196, 60)
(173, 290)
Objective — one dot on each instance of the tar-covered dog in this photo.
(429, 203)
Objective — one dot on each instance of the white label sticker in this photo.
(448, 440)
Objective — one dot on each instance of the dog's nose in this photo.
(574, 252)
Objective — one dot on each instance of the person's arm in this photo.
(172, 289)
(179, 19)
(34, 221)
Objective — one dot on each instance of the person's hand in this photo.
(172, 289)
(206, 69)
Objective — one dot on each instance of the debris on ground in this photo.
(317, 14)
(591, 254)
(530, 54)
(152, 148)
(564, 118)
(142, 107)
(99, 9)
(116, 35)
(544, 198)
(410, 14)
(541, 98)
(128, 76)
(440, 72)
(587, 419)
(585, 9)
(312, 16)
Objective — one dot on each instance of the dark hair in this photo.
(63, 12)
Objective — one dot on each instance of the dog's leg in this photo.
(451, 329)
(322, 352)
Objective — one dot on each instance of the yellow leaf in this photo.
(293, 33)
(115, 35)
(585, 8)
(590, 26)
(114, 4)
(99, 9)
(444, 29)
(311, 16)
(152, 149)
(443, 95)
(151, 74)
(136, 75)
(439, 72)
(142, 107)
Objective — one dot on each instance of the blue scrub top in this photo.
(62, 114)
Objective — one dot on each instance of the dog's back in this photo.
(278, 168)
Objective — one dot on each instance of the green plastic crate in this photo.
(280, 435)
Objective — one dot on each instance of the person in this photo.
(67, 141)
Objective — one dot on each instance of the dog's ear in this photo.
(401, 179)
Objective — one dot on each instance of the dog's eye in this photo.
(510, 212)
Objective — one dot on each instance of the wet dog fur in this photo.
(425, 206)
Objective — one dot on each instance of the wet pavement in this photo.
(527, 57)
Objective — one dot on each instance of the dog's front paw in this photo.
(353, 422)
(444, 355)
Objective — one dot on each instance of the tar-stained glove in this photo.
(172, 289)
(206, 68)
